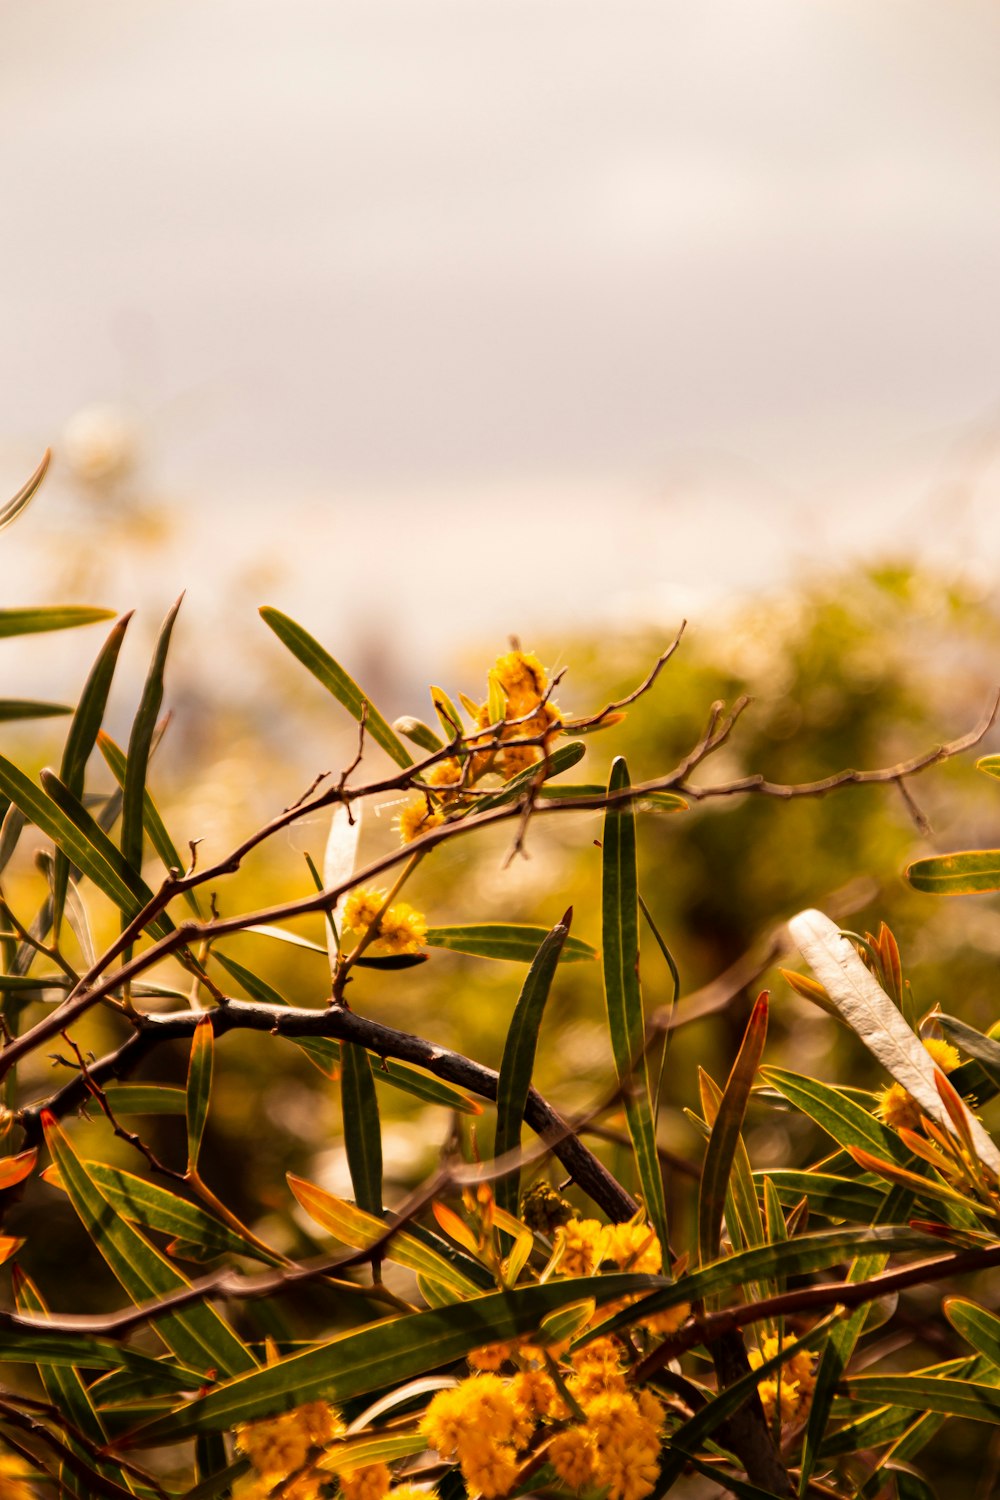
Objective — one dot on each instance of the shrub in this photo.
(527, 1319)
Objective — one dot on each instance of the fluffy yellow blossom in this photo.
(597, 1367)
(571, 1454)
(523, 679)
(369, 1483)
(668, 1322)
(489, 1468)
(490, 1357)
(446, 773)
(895, 1107)
(582, 1243)
(418, 817)
(362, 907)
(534, 1394)
(277, 1446)
(946, 1057)
(626, 1445)
(481, 1404)
(635, 1247)
(791, 1386)
(308, 1487)
(402, 930)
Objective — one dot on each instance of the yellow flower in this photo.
(277, 1446)
(445, 773)
(582, 1242)
(598, 1367)
(402, 930)
(572, 1456)
(490, 1468)
(370, 1483)
(418, 817)
(626, 1445)
(362, 907)
(791, 1386)
(490, 1357)
(668, 1322)
(534, 1394)
(895, 1107)
(523, 679)
(946, 1057)
(635, 1247)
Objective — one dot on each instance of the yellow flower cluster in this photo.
(418, 817)
(789, 1391)
(616, 1450)
(523, 682)
(483, 1424)
(895, 1107)
(278, 1446)
(581, 1245)
(400, 929)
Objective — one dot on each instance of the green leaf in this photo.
(725, 1137)
(620, 934)
(197, 1335)
(451, 719)
(153, 823)
(968, 872)
(838, 1115)
(69, 1350)
(76, 833)
(984, 1049)
(511, 941)
(20, 502)
(199, 1087)
(978, 1327)
(80, 740)
(875, 1020)
(419, 733)
(518, 1060)
(361, 1126)
(384, 1354)
(742, 1207)
(24, 708)
(140, 743)
(352, 1226)
(690, 1435)
(54, 617)
(66, 1390)
(559, 761)
(336, 681)
(954, 1398)
(145, 1099)
(157, 1208)
(806, 1252)
(827, 1195)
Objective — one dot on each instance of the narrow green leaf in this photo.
(954, 1398)
(66, 1390)
(966, 873)
(10, 511)
(153, 1207)
(140, 743)
(911, 1486)
(838, 1115)
(198, 1335)
(806, 1252)
(87, 1352)
(978, 1327)
(25, 708)
(831, 1197)
(560, 760)
(451, 719)
(984, 1049)
(362, 1127)
(87, 720)
(990, 764)
(419, 733)
(336, 681)
(355, 1227)
(199, 1087)
(725, 1138)
(145, 1099)
(54, 617)
(384, 1353)
(620, 934)
(518, 1060)
(510, 941)
(102, 856)
(153, 823)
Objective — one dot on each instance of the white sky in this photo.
(676, 294)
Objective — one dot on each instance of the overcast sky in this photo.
(685, 290)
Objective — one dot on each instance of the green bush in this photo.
(575, 1308)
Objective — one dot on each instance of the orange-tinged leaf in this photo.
(455, 1228)
(14, 1169)
(8, 1247)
